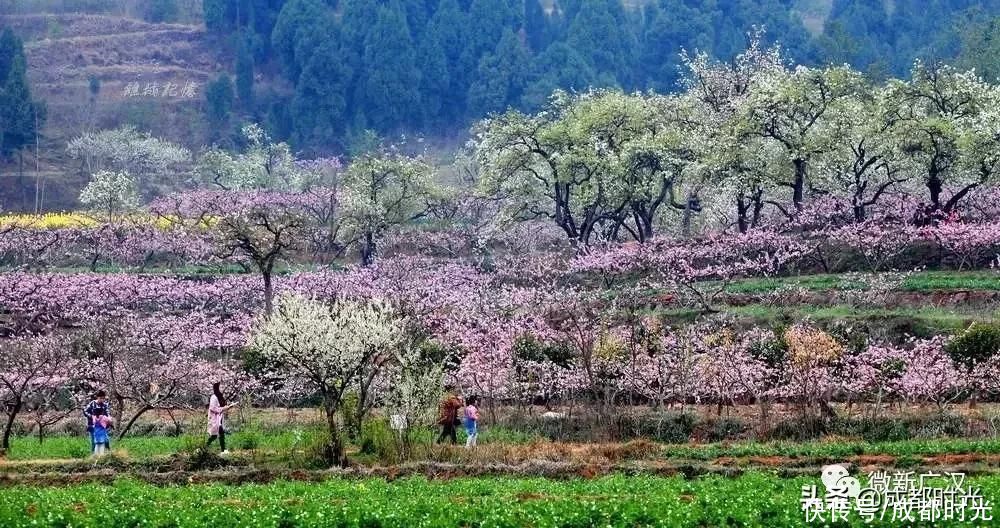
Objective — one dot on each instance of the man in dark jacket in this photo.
(448, 415)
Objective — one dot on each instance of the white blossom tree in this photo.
(382, 191)
(949, 130)
(126, 149)
(736, 160)
(863, 162)
(414, 382)
(791, 108)
(109, 194)
(328, 346)
(264, 164)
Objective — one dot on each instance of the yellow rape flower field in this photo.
(76, 219)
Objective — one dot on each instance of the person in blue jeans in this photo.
(99, 406)
(471, 421)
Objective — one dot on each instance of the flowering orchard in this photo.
(154, 341)
(546, 266)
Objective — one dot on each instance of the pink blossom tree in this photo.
(262, 227)
(33, 364)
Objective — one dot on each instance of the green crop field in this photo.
(756, 499)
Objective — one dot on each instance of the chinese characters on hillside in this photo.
(900, 497)
(188, 90)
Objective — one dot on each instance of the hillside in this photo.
(151, 75)
(319, 73)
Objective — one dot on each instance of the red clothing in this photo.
(448, 410)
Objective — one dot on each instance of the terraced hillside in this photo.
(98, 71)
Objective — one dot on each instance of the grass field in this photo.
(754, 499)
(921, 281)
(492, 442)
(68, 447)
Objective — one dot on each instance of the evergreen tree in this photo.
(502, 77)
(320, 104)
(536, 25)
(487, 21)
(19, 113)
(10, 47)
(981, 49)
(219, 102)
(300, 27)
(219, 15)
(264, 15)
(669, 26)
(435, 83)
(607, 45)
(559, 66)
(279, 119)
(355, 22)
(569, 8)
(418, 13)
(244, 73)
(448, 27)
(391, 77)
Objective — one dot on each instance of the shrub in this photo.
(871, 430)
(570, 429)
(800, 428)
(249, 441)
(312, 449)
(348, 408)
(671, 428)
(199, 459)
(772, 352)
(976, 344)
(937, 425)
(379, 440)
(723, 429)
(528, 348)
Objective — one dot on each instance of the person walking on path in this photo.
(471, 422)
(99, 406)
(217, 410)
(448, 416)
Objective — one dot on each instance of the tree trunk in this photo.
(742, 208)
(368, 250)
(934, 187)
(686, 218)
(93, 261)
(859, 212)
(132, 420)
(9, 426)
(334, 450)
(268, 291)
(799, 184)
